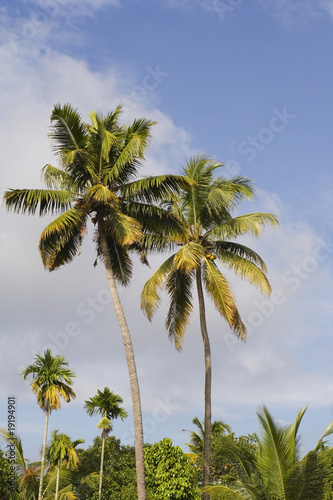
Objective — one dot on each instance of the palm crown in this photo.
(97, 180)
(106, 404)
(51, 380)
(204, 209)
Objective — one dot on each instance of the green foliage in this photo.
(28, 476)
(6, 474)
(274, 470)
(169, 473)
(119, 479)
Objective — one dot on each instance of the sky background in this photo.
(249, 83)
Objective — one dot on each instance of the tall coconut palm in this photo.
(277, 471)
(205, 210)
(97, 181)
(61, 450)
(106, 404)
(51, 381)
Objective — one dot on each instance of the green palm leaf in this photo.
(121, 262)
(156, 189)
(276, 451)
(246, 269)
(101, 194)
(244, 224)
(218, 288)
(124, 229)
(178, 286)
(230, 248)
(28, 200)
(126, 162)
(188, 258)
(68, 130)
(150, 297)
(55, 178)
(61, 240)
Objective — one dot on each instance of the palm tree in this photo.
(51, 382)
(99, 163)
(105, 403)
(28, 475)
(204, 209)
(218, 428)
(277, 471)
(60, 451)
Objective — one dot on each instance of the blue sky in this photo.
(248, 83)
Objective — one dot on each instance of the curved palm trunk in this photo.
(101, 469)
(41, 479)
(208, 384)
(57, 483)
(133, 377)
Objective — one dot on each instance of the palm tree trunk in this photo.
(40, 491)
(133, 377)
(208, 384)
(57, 484)
(101, 469)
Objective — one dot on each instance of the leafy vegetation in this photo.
(169, 473)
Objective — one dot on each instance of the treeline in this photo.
(268, 466)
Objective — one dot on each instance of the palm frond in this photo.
(156, 222)
(155, 189)
(244, 267)
(120, 260)
(150, 297)
(179, 289)
(20, 461)
(244, 224)
(28, 200)
(124, 229)
(188, 258)
(61, 240)
(68, 131)
(101, 194)
(126, 162)
(55, 178)
(219, 290)
(275, 451)
(328, 432)
(231, 248)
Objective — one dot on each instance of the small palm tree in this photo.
(276, 471)
(204, 209)
(28, 475)
(60, 451)
(218, 428)
(106, 404)
(51, 381)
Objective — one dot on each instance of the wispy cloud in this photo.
(290, 12)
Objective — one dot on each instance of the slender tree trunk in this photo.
(208, 384)
(57, 483)
(101, 469)
(133, 377)
(41, 479)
